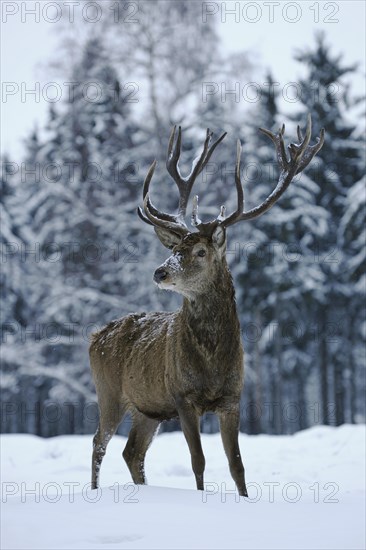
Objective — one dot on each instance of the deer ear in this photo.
(167, 238)
(219, 236)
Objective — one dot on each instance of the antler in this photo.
(300, 156)
(151, 214)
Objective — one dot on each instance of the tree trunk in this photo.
(323, 357)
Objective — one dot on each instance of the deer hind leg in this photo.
(110, 416)
(189, 420)
(139, 439)
(229, 427)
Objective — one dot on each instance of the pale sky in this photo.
(272, 30)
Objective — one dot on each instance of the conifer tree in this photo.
(325, 93)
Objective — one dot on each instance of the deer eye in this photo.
(201, 253)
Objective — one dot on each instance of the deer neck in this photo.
(210, 316)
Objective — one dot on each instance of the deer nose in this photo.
(160, 274)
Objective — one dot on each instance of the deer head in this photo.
(199, 256)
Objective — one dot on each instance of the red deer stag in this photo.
(163, 365)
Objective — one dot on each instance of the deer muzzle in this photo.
(160, 275)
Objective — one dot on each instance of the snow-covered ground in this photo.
(306, 491)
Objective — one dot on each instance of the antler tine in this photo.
(171, 142)
(205, 155)
(195, 219)
(142, 216)
(145, 192)
(300, 156)
(311, 152)
(296, 151)
(239, 187)
(299, 133)
(279, 144)
(148, 179)
(221, 216)
(198, 166)
(302, 153)
(173, 155)
(197, 169)
(161, 221)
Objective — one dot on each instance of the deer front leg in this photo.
(229, 427)
(189, 420)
